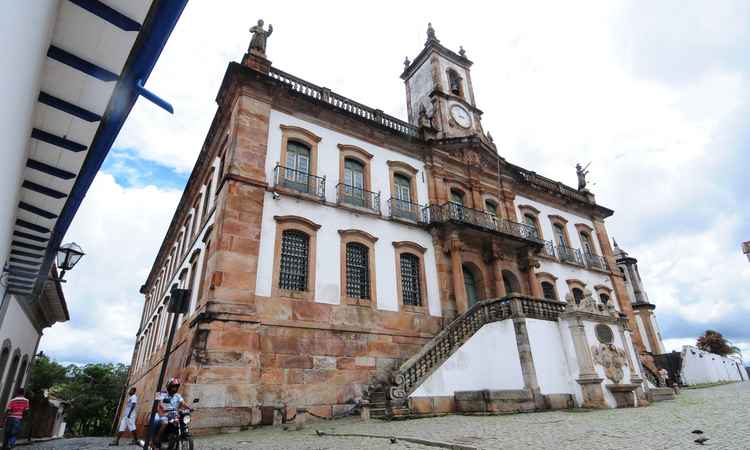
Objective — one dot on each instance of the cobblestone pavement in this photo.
(720, 412)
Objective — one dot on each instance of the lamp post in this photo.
(179, 301)
(746, 249)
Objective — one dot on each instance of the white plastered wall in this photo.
(488, 360)
(700, 367)
(552, 360)
(20, 330)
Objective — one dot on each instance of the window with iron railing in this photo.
(411, 292)
(294, 260)
(403, 209)
(300, 181)
(569, 255)
(358, 197)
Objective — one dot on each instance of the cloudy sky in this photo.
(655, 94)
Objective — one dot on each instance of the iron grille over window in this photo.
(411, 292)
(357, 271)
(294, 250)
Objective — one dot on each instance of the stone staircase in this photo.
(661, 393)
(657, 390)
(390, 400)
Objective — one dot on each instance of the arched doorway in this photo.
(470, 284)
(512, 286)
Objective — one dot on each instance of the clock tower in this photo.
(439, 93)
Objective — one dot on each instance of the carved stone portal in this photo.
(612, 359)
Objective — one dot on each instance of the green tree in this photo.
(92, 392)
(45, 373)
(712, 341)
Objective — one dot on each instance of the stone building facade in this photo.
(330, 249)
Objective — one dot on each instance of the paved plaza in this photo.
(720, 412)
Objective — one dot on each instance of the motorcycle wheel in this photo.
(186, 443)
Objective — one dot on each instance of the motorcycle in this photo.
(177, 434)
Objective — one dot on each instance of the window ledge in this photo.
(414, 309)
(364, 302)
(298, 194)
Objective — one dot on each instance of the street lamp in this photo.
(746, 249)
(68, 256)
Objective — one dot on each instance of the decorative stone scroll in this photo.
(613, 359)
(589, 308)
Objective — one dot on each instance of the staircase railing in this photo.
(407, 378)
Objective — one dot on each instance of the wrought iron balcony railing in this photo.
(403, 209)
(300, 181)
(454, 212)
(569, 255)
(595, 261)
(548, 249)
(358, 197)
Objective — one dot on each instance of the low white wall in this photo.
(700, 367)
(550, 357)
(488, 360)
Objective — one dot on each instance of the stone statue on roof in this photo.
(431, 33)
(260, 36)
(582, 172)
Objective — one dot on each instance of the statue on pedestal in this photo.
(582, 172)
(260, 36)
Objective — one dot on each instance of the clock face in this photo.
(461, 116)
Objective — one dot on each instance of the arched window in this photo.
(457, 197)
(402, 203)
(470, 284)
(22, 371)
(604, 298)
(294, 258)
(559, 235)
(354, 182)
(530, 221)
(207, 194)
(10, 377)
(191, 281)
(577, 295)
(297, 163)
(357, 271)
(455, 83)
(4, 357)
(491, 207)
(411, 293)
(511, 282)
(588, 247)
(548, 289)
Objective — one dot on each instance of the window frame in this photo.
(401, 247)
(300, 136)
(575, 284)
(364, 238)
(310, 228)
(548, 278)
(560, 221)
(532, 212)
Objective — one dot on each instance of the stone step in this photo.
(662, 393)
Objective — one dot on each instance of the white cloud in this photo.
(120, 230)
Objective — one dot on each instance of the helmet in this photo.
(174, 382)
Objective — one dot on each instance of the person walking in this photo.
(127, 422)
(17, 406)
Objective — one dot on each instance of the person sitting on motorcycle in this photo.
(170, 401)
